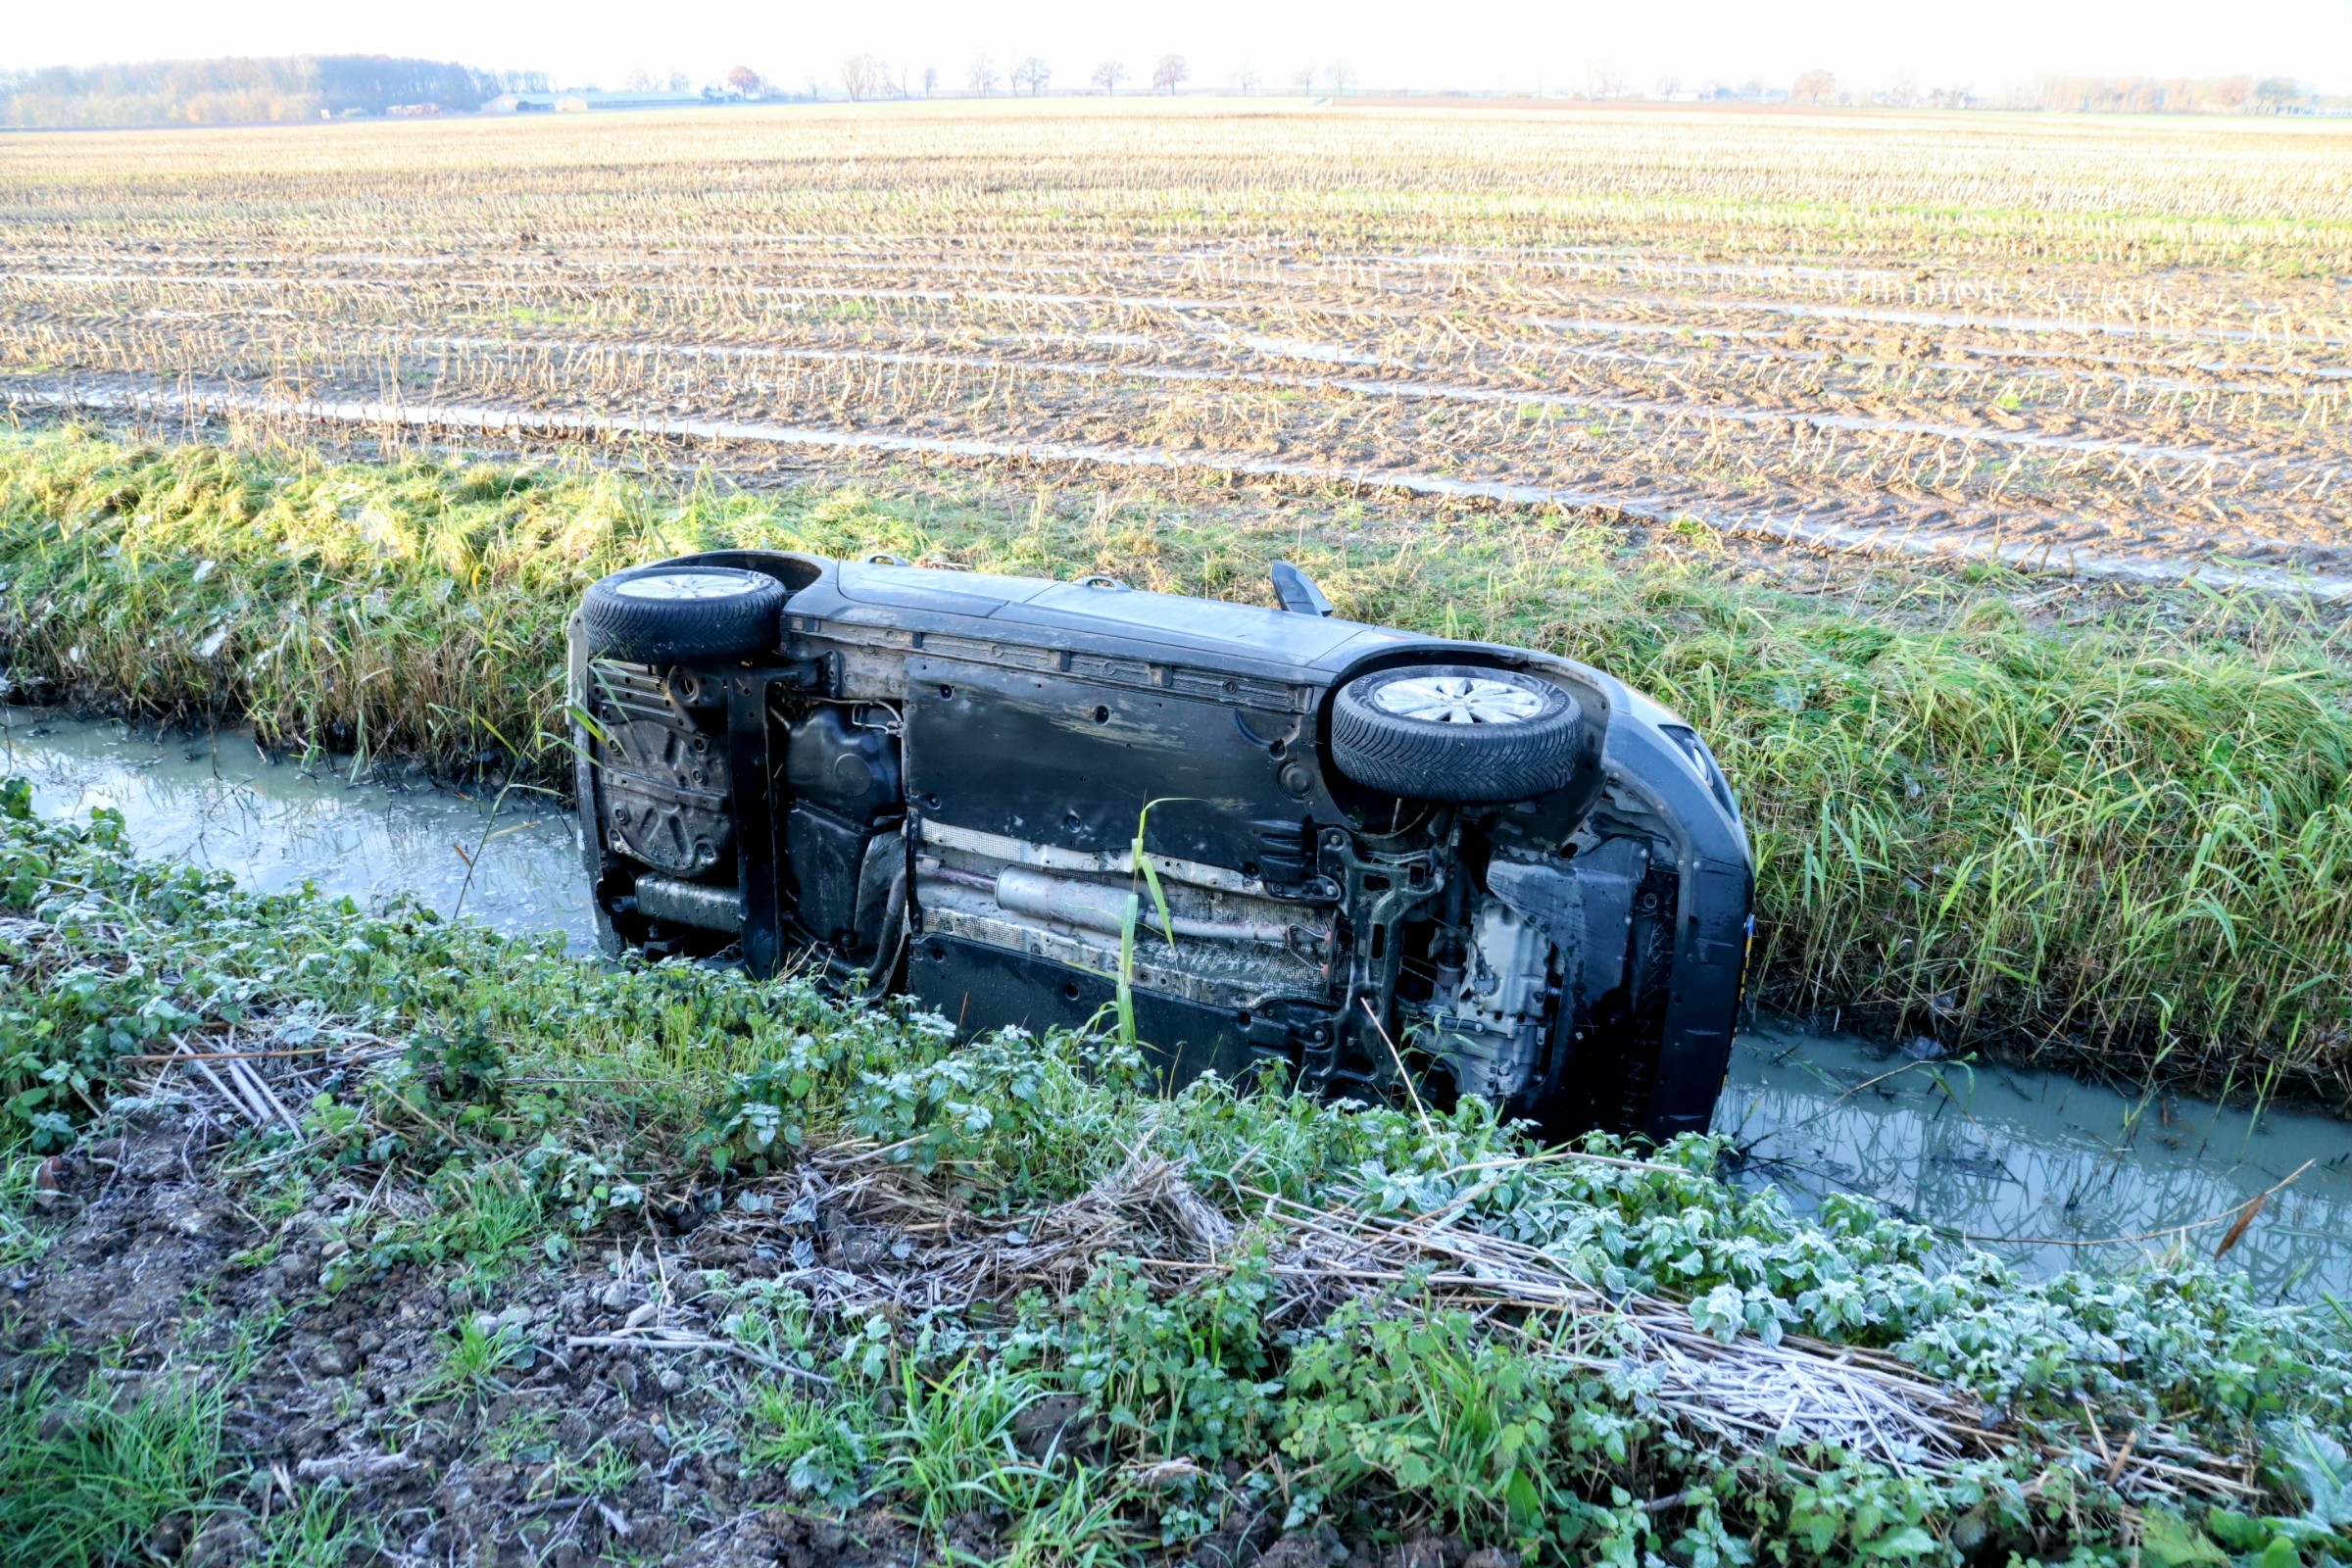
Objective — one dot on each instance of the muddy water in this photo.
(2039, 1167)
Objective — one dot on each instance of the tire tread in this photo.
(1463, 764)
(674, 631)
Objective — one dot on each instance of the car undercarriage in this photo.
(1280, 841)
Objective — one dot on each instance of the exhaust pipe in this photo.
(695, 903)
(1102, 906)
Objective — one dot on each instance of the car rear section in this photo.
(1365, 857)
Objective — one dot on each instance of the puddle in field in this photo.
(2026, 1163)
(216, 801)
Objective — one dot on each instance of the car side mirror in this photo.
(1297, 592)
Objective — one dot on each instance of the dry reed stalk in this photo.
(1798, 1396)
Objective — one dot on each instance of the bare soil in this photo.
(155, 1269)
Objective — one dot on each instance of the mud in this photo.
(1778, 420)
(591, 1445)
(153, 1257)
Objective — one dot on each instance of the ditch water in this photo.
(273, 821)
(2040, 1167)
(2044, 1169)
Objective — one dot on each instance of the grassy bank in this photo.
(629, 1258)
(2125, 840)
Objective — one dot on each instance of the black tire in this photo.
(1526, 745)
(680, 613)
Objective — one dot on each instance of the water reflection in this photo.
(218, 801)
(2038, 1166)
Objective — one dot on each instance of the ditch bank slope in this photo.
(2114, 833)
(335, 1237)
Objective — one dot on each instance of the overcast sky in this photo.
(1473, 44)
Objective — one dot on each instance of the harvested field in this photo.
(332, 1237)
(2117, 346)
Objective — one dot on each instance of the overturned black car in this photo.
(1370, 855)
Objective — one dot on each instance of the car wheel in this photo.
(1457, 734)
(682, 614)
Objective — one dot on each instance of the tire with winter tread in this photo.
(1466, 761)
(681, 612)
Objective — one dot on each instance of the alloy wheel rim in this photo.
(681, 585)
(1457, 700)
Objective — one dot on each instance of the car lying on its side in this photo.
(1377, 855)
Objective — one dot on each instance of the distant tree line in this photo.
(866, 77)
(210, 92)
(2180, 95)
(308, 86)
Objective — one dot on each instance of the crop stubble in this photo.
(2098, 342)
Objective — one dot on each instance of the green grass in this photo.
(21, 1238)
(475, 1363)
(952, 1449)
(2127, 842)
(87, 1478)
(1192, 1392)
